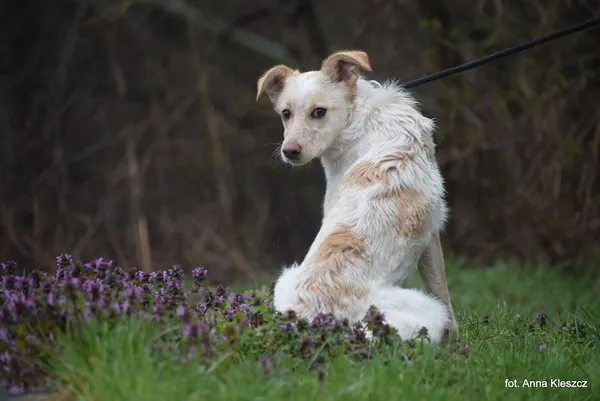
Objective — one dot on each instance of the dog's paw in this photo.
(450, 335)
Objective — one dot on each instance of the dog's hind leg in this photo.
(409, 310)
(432, 270)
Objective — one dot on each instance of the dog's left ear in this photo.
(344, 66)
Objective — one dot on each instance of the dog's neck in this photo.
(336, 162)
(354, 141)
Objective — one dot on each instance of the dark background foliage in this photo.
(130, 128)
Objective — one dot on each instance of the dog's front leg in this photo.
(433, 274)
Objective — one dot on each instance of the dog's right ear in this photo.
(273, 81)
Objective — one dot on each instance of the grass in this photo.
(516, 324)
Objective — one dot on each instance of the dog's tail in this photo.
(409, 311)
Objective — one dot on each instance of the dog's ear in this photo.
(273, 81)
(344, 65)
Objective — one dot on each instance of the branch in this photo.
(306, 10)
(256, 43)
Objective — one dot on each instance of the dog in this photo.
(384, 203)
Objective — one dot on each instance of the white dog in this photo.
(384, 203)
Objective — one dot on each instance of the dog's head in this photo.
(314, 106)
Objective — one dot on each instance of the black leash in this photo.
(502, 53)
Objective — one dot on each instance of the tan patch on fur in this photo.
(395, 158)
(336, 294)
(364, 175)
(371, 173)
(338, 246)
(412, 207)
(336, 252)
(412, 212)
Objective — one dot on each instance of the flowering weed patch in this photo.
(100, 332)
(202, 322)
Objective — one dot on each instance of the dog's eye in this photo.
(286, 114)
(318, 112)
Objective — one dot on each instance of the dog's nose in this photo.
(291, 150)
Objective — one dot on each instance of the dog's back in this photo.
(392, 195)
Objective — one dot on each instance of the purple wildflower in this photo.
(174, 284)
(138, 293)
(51, 299)
(190, 330)
(18, 283)
(199, 274)
(183, 314)
(16, 389)
(181, 311)
(318, 321)
(231, 310)
(141, 275)
(5, 357)
(30, 304)
(64, 260)
(187, 357)
(87, 312)
(287, 327)
(267, 365)
(9, 267)
(103, 303)
(125, 307)
(237, 298)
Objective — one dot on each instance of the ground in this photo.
(516, 324)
